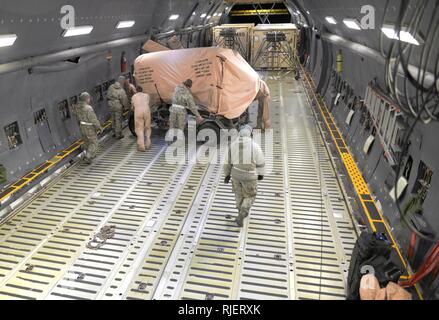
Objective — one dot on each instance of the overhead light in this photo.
(194, 13)
(331, 20)
(215, 14)
(404, 35)
(125, 24)
(203, 15)
(208, 17)
(77, 31)
(307, 11)
(352, 24)
(220, 14)
(7, 40)
(174, 17)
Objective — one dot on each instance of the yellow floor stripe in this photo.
(354, 173)
(41, 169)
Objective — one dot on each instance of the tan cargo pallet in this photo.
(241, 43)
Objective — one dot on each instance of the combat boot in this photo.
(239, 221)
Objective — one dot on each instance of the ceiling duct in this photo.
(68, 54)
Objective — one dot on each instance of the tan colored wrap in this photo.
(174, 43)
(223, 82)
(264, 97)
(369, 287)
(152, 46)
(370, 290)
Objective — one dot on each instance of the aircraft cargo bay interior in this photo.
(219, 150)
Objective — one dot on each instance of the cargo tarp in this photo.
(152, 46)
(174, 43)
(223, 82)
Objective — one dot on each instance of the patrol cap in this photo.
(84, 96)
(245, 130)
(121, 79)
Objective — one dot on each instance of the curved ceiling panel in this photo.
(39, 27)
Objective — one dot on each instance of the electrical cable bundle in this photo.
(418, 93)
(424, 104)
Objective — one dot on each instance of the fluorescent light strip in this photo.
(331, 20)
(203, 15)
(352, 24)
(77, 31)
(404, 36)
(125, 24)
(7, 40)
(174, 17)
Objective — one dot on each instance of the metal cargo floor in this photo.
(174, 235)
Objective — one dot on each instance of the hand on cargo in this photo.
(199, 119)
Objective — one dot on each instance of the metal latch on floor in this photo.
(106, 232)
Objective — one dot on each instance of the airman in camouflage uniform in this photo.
(245, 166)
(117, 101)
(181, 101)
(89, 126)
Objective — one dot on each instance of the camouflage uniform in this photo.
(89, 125)
(245, 161)
(117, 101)
(181, 101)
